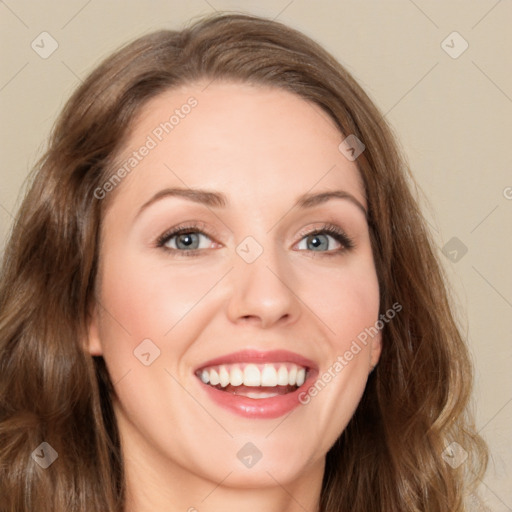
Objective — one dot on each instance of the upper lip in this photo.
(257, 356)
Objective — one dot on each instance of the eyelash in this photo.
(330, 229)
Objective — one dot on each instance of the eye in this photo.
(185, 239)
(323, 239)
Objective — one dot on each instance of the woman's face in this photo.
(244, 295)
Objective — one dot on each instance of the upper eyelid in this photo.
(192, 227)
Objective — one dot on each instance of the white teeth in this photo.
(292, 375)
(301, 377)
(236, 376)
(282, 376)
(269, 376)
(250, 374)
(251, 394)
(214, 378)
(205, 376)
(224, 376)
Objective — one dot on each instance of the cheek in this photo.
(347, 303)
(168, 306)
(345, 299)
(147, 301)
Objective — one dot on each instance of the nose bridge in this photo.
(262, 290)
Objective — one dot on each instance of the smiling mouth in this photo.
(255, 381)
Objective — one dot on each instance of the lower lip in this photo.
(263, 408)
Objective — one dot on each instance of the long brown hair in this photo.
(390, 456)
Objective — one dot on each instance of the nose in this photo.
(262, 292)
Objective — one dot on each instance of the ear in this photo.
(375, 350)
(93, 343)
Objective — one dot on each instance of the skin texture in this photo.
(262, 148)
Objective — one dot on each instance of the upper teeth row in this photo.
(279, 374)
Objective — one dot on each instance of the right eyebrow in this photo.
(213, 199)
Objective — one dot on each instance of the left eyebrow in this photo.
(310, 200)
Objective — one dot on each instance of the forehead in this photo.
(259, 142)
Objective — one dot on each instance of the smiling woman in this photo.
(253, 311)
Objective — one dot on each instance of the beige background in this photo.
(452, 115)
